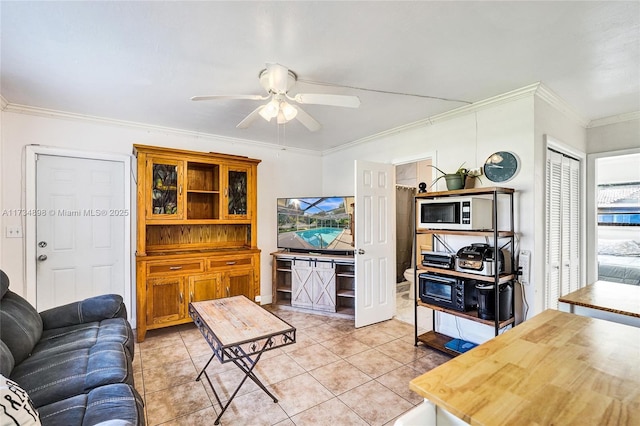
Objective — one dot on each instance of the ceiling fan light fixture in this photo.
(270, 110)
(288, 110)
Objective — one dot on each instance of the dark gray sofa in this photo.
(73, 361)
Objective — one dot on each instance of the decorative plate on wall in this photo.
(501, 166)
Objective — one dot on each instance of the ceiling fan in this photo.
(277, 80)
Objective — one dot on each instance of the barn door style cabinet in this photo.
(196, 232)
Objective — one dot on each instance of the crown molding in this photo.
(511, 96)
(547, 95)
(614, 119)
(49, 113)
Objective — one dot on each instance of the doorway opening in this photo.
(408, 177)
(618, 218)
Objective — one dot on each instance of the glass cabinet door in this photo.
(237, 200)
(166, 189)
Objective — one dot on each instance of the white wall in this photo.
(614, 137)
(500, 126)
(281, 173)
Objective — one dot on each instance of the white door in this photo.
(81, 229)
(375, 242)
(562, 226)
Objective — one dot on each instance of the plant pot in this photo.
(470, 182)
(454, 181)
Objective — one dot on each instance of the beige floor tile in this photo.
(395, 328)
(160, 338)
(345, 346)
(302, 339)
(429, 361)
(215, 366)
(340, 376)
(156, 357)
(375, 403)
(276, 369)
(255, 408)
(401, 350)
(325, 332)
(373, 362)
(169, 404)
(201, 417)
(167, 376)
(398, 381)
(331, 412)
(300, 393)
(226, 382)
(312, 357)
(372, 337)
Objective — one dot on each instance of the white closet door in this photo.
(562, 226)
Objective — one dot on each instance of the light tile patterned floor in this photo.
(333, 375)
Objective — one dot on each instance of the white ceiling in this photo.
(142, 61)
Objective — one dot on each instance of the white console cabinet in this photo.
(313, 285)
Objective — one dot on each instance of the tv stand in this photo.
(314, 282)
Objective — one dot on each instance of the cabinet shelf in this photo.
(437, 341)
(346, 293)
(503, 278)
(284, 288)
(345, 275)
(470, 315)
(472, 233)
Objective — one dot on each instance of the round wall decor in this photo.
(501, 166)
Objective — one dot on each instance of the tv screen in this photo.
(316, 224)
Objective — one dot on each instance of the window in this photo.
(619, 204)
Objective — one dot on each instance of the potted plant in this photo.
(461, 178)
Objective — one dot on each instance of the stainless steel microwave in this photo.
(456, 213)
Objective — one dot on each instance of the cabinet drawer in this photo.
(230, 262)
(179, 267)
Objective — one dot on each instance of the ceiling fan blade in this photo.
(249, 119)
(323, 99)
(278, 78)
(212, 97)
(308, 121)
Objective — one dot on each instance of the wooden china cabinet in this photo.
(196, 232)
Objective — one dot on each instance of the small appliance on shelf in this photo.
(479, 259)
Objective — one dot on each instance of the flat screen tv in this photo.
(316, 224)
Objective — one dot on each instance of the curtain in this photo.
(404, 230)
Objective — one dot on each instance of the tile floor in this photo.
(333, 375)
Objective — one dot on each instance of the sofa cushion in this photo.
(86, 335)
(4, 283)
(93, 309)
(6, 360)
(49, 378)
(117, 404)
(20, 325)
(16, 407)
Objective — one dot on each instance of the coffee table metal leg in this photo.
(246, 364)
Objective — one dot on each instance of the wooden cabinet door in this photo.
(164, 178)
(165, 300)
(302, 286)
(323, 282)
(239, 282)
(239, 189)
(205, 287)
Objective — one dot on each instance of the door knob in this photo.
(42, 244)
(360, 251)
(42, 257)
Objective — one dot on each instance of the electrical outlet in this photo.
(13, 232)
(524, 263)
(258, 299)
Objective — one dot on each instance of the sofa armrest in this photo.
(96, 308)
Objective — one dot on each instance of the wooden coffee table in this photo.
(239, 331)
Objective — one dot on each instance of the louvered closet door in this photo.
(563, 224)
